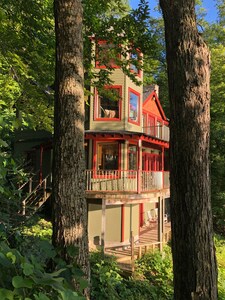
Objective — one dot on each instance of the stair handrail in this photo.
(29, 180)
(42, 182)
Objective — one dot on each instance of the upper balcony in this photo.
(161, 132)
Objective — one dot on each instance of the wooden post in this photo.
(132, 252)
(160, 223)
(139, 252)
(30, 185)
(103, 225)
(163, 222)
(44, 188)
(139, 167)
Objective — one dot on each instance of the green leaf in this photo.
(41, 296)
(21, 282)
(3, 143)
(28, 268)
(11, 256)
(70, 295)
(6, 294)
(83, 283)
(4, 261)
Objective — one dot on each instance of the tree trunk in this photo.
(195, 273)
(69, 208)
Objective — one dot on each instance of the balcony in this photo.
(161, 132)
(126, 180)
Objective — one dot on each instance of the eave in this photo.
(125, 135)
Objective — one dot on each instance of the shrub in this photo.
(106, 282)
(152, 280)
(220, 255)
(156, 268)
(26, 278)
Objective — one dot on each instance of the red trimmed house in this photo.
(126, 142)
(126, 147)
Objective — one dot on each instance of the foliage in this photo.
(152, 279)
(11, 176)
(31, 240)
(24, 277)
(220, 255)
(26, 59)
(156, 268)
(105, 278)
(215, 36)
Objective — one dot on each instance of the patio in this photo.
(148, 241)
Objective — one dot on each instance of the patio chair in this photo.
(150, 218)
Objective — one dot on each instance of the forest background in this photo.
(27, 46)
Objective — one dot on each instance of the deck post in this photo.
(139, 166)
(103, 225)
(160, 217)
(163, 214)
(132, 252)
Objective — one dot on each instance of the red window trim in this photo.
(96, 118)
(97, 63)
(139, 73)
(95, 173)
(130, 90)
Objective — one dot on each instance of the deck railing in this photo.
(161, 132)
(126, 180)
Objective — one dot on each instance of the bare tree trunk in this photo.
(69, 211)
(188, 59)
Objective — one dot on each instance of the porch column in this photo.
(163, 167)
(139, 166)
(103, 224)
(160, 222)
(163, 213)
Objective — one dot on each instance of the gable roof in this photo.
(151, 102)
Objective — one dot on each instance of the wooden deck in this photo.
(148, 241)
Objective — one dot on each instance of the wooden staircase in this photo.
(35, 194)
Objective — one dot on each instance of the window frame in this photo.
(97, 105)
(128, 156)
(131, 91)
(111, 64)
(135, 70)
(96, 158)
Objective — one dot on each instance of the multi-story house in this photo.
(127, 141)
(126, 147)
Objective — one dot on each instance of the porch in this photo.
(126, 180)
(148, 241)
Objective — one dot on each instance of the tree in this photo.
(194, 263)
(69, 207)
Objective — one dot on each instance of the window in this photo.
(106, 55)
(132, 157)
(108, 102)
(135, 65)
(107, 156)
(134, 103)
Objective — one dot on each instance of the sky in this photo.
(209, 5)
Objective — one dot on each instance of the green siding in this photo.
(134, 208)
(113, 223)
(94, 223)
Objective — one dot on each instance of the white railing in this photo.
(161, 132)
(125, 180)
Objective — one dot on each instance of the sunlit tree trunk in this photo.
(188, 59)
(70, 211)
